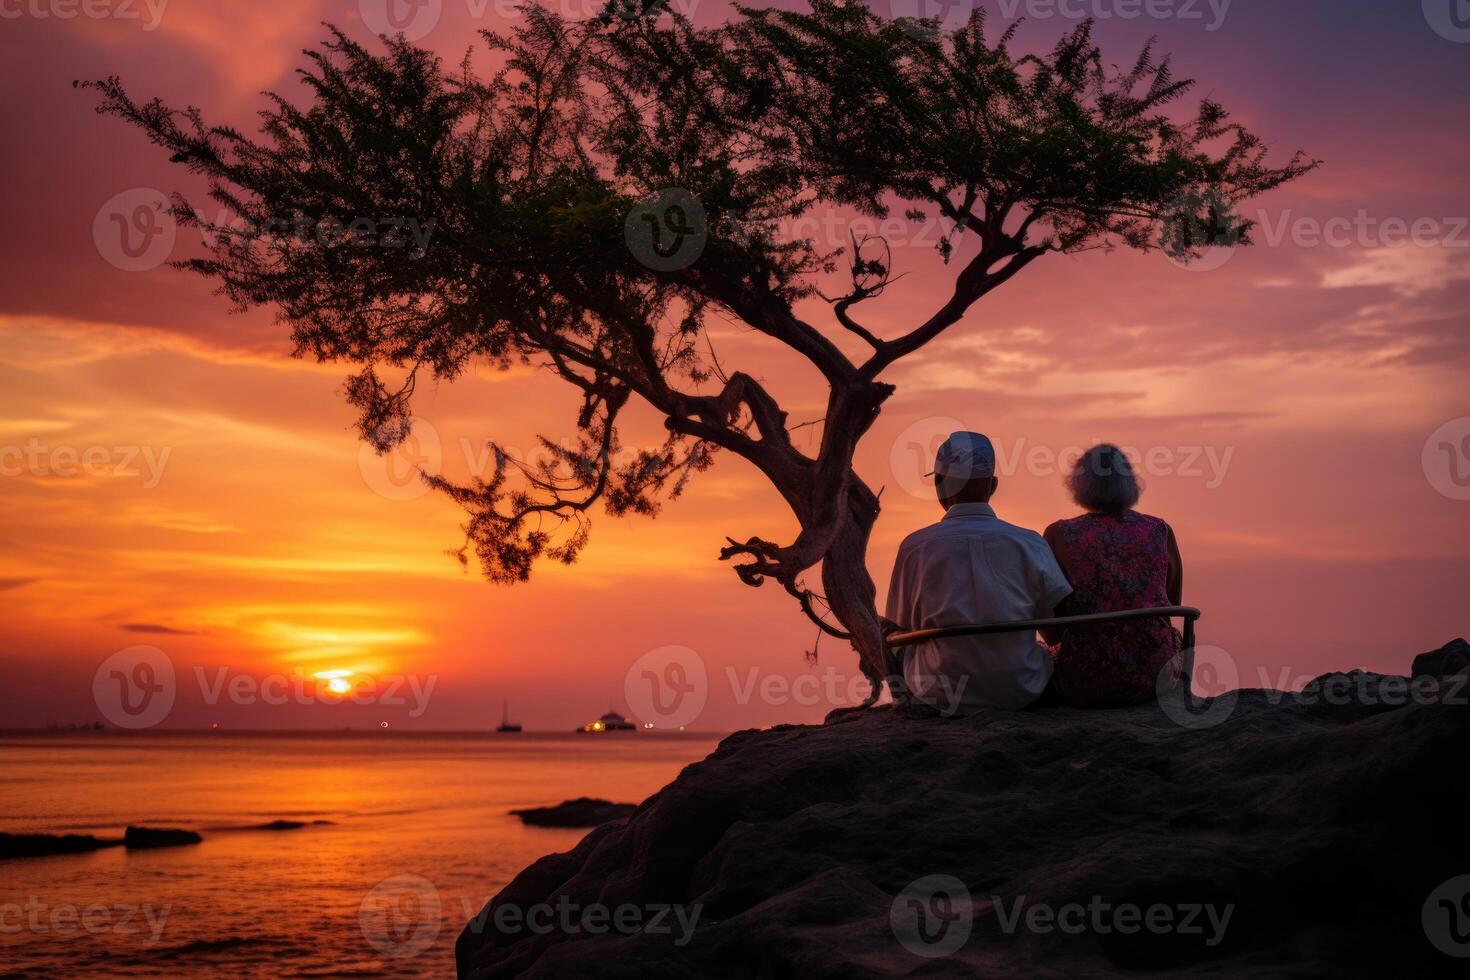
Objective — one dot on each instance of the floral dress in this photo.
(1114, 562)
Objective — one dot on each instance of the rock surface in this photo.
(1321, 822)
(584, 811)
(141, 838)
(42, 845)
(1452, 658)
(287, 824)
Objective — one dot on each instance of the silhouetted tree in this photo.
(552, 243)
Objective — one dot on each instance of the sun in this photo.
(336, 680)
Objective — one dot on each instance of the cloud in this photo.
(157, 628)
(1408, 270)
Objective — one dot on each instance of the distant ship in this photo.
(506, 725)
(610, 722)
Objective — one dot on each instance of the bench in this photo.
(1187, 613)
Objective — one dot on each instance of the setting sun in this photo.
(337, 681)
(394, 393)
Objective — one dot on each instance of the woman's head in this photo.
(1103, 480)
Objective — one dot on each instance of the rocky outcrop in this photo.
(584, 811)
(134, 838)
(142, 838)
(1255, 834)
(43, 845)
(1452, 658)
(287, 824)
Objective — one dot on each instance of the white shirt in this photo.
(973, 567)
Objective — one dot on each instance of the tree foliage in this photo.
(530, 173)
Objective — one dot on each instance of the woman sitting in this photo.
(1115, 558)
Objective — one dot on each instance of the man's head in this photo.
(964, 470)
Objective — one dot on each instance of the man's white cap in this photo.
(964, 456)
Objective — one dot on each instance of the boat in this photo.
(506, 725)
(610, 722)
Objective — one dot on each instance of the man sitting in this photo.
(973, 567)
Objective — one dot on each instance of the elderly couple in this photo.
(973, 567)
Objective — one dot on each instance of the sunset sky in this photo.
(172, 477)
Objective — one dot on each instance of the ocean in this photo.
(417, 838)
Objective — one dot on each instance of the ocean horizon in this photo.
(422, 814)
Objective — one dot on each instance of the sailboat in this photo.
(505, 723)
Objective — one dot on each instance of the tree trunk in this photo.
(849, 588)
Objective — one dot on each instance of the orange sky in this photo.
(171, 477)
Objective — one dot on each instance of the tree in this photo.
(612, 183)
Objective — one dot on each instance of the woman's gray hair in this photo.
(1103, 480)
